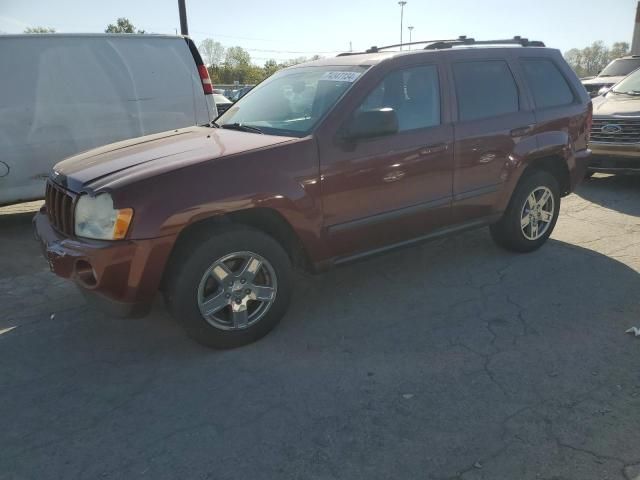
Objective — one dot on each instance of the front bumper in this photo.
(612, 158)
(122, 277)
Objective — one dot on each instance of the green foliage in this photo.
(237, 65)
(212, 52)
(39, 30)
(123, 25)
(237, 57)
(592, 59)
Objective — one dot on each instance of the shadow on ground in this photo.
(20, 253)
(449, 360)
(616, 192)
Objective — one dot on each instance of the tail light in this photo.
(207, 86)
(589, 122)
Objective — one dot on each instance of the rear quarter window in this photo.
(485, 89)
(547, 84)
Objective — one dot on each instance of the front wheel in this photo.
(231, 288)
(531, 215)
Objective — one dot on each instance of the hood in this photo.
(616, 105)
(176, 148)
(602, 80)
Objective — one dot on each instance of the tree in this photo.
(123, 25)
(39, 30)
(237, 56)
(618, 49)
(591, 60)
(270, 67)
(212, 52)
(595, 57)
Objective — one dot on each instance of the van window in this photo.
(547, 84)
(485, 89)
(414, 94)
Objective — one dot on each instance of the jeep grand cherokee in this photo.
(322, 163)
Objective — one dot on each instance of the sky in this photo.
(283, 29)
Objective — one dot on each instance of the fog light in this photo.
(85, 273)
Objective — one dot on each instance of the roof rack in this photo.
(461, 40)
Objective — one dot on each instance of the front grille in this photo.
(59, 205)
(616, 130)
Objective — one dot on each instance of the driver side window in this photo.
(413, 93)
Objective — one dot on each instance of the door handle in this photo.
(393, 176)
(521, 131)
(431, 149)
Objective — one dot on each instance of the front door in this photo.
(388, 189)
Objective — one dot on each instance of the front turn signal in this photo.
(121, 226)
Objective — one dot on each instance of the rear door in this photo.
(388, 189)
(493, 119)
(560, 111)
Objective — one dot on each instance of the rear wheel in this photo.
(531, 215)
(230, 289)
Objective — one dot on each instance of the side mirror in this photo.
(371, 123)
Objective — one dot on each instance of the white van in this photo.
(61, 94)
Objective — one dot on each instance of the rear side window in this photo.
(547, 84)
(485, 89)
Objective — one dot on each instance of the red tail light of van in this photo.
(207, 86)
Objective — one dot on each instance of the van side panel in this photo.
(63, 94)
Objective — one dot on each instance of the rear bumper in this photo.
(121, 277)
(578, 167)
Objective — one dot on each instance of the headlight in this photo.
(96, 218)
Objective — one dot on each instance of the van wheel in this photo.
(231, 288)
(531, 215)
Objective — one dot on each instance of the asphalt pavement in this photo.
(451, 360)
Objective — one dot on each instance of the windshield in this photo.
(631, 84)
(620, 67)
(292, 101)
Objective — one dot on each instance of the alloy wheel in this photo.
(537, 213)
(237, 290)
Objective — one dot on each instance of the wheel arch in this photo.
(265, 219)
(554, 164)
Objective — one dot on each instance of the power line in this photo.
(291, 51)
(215, 35)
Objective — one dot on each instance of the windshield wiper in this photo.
(241, 127)
(631, 93)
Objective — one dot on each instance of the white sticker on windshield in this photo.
(340, 76)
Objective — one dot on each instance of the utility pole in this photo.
(635, 43)
(182, 9)
(402, 4)
(410, 31)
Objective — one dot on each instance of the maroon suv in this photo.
(322, 163)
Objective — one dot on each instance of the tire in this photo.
(511, 232)
(194, 281)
